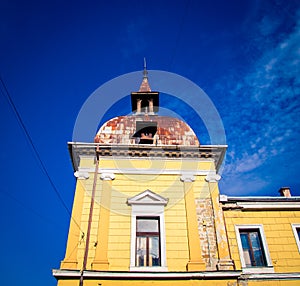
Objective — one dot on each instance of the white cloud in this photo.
(263, 121)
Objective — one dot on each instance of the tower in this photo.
(146, 203)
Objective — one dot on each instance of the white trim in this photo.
(212, 178)
(148, 171)
(274, 276)
(145, 275)
(58, 273)
(294, 227)
(187, 178)
(82, 175)
(147, 197)
(271, 205)
(269, 267)
(148, 204)
(107, 176)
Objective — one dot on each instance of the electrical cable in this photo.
(28, 137)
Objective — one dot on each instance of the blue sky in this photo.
(53, 54)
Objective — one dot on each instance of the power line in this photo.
(36, 153)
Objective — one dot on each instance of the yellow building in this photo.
(147, 211)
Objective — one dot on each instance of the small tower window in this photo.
(145, 132)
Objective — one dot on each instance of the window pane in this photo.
(253, 252)
(298, 232)
(257, 250)
(154, 251)
(147, 225)
(246, 249)
(141, 251)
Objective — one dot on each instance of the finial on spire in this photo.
(145, 72)
(145, 84)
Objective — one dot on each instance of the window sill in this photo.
(250, 270)
(149, 269)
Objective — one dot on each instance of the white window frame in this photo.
(294, 227)
(265, 269)
(148, 204)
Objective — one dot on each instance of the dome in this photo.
(146, 129)
(145, 126)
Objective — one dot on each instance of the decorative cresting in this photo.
(101, 259)
(225, 261)
(196, 262)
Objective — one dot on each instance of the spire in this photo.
(145, 72)
(145, 87)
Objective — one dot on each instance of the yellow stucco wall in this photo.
(280, 239)
(163, 181)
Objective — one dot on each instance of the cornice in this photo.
(260, 203)
(147, 171)
(214, 153)
(151, 275)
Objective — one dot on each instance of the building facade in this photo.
(147, 210)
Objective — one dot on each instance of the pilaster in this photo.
(224, 258)
(70, 260)
(195, 262)
(101, 260)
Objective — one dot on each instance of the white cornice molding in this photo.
(147, 171)
(212, 177)
(67, 274)
(187, 178)
(82, 175)
(271, 276)
(270, 205)
(107, 176)
(146, 275)
(260, 203)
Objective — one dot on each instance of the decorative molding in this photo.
(147, 198)
(213, 153)
(105, 176)
(115, 275)
(269, 206)
(260, 203)
(81, 175)
(212, 178)
(148, 171)
(266, 269)
(148, 204)
(187, 178)
(203, 275)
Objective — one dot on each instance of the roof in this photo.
(145, 87)
(164, 130)
(259, 203)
